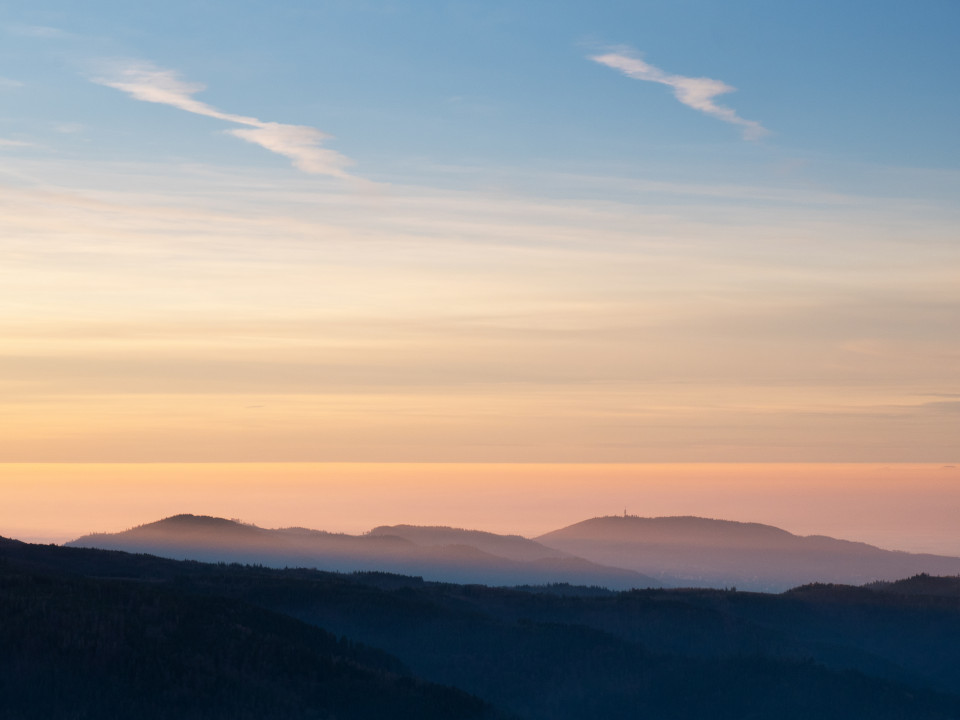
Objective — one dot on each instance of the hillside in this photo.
(514, 547)
(720, 553)
(820, 651)
(97, 648)
(468, 557)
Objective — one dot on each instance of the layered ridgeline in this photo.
(106, 634)
(444, 554)
(613, 552)
(701, 552)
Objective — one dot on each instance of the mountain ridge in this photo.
(615, 551)
(205, 538)
(720, 553)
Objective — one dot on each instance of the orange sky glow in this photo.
(898, 506)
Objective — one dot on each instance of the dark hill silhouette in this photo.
(829, 652)
(922, 584)
(721, 553)
(191, 537)
(94, 648)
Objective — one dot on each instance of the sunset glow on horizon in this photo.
(902, 506)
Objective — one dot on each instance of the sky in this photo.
(479, 232)
(897, 506)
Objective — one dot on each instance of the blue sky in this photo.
(504, 84)
(476, 231)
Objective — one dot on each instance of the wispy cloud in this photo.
(695, 92)
(9, 83)
(68, 128)
(36, 31)
(15, 143)
(300, 143)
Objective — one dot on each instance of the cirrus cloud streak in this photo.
(300, 143)
(695, 92)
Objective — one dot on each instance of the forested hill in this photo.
(186, 639)
(81, 647)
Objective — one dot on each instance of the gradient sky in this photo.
(901, 506)
(664, 231)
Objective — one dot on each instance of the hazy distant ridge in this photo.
(617, 552)
(445, 554)
(515, 547)
(719, 553)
